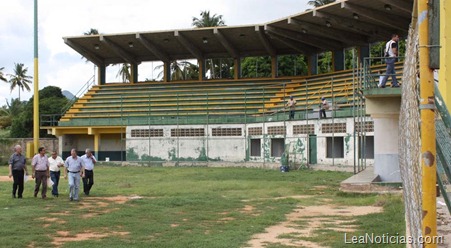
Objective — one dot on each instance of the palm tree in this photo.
(2, 77)
(20, 78)
(317, 3)
(124, 72)
(92, 31)
(182, 70)
(206, 20)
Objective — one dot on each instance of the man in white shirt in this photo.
(391, 52)
(89, 160)
(55, 162)
(40, 168)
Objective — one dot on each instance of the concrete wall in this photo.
(237, 148)
(7, 146)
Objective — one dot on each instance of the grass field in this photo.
(198, 207)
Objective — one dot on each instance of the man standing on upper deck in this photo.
(391, 54)
(292, 105)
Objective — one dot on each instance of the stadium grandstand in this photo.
(238, 120)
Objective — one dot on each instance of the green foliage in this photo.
(20, 78)
(325, 62)
(51, 100)
(318, 3)
(255, 67)
(292, 65)
(206, 20)
(8, 111)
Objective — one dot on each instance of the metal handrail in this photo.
(80, 92)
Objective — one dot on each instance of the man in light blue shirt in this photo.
(75, 168)
(89, 161)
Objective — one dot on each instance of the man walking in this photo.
(75, 168)
(55, 163)
(391, 52)
(17, 168)
(40, 170)
(89, 161)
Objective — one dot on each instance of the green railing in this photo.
(370, 77)
(251, 105)
(443, 145)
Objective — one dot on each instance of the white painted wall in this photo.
(233, 149)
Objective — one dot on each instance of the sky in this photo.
(60, 65)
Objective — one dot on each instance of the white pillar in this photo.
(386, 161)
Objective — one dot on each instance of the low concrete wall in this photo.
(7, 147)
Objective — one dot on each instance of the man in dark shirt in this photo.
(17, 168)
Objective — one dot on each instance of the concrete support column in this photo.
(133, 73)
(166, 71)
(338, 60)
(101, 74)
(202, 69)
(96, 145)
(60, 145)
(274, 67)
(384, 107)
(237, 68)
(363, 52)
(313, 64)
(386, 162)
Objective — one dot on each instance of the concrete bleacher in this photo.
(158, 99)
(152, 102)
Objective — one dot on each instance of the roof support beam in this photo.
(392, 21)
(90, 56)
(292, 44)
(152, 48)
(330, 33)
(118, 50)
(401, 5)
(374, 29)
(265, 41)
(227, 45)
(188, 45)
(322, 43)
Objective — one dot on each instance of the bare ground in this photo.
(291, 233)
(94, 206)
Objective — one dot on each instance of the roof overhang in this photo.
(339, 25)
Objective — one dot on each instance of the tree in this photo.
(124, 72)
(92, 31)
(254, 67)
(7, 112)
(206, 20)
(20, 78)
(2, 77)
(318, 3)
(51, 101)
(181, 70)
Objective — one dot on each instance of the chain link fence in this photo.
(409, 137)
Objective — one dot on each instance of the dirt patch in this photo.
(5, 179)
(48, 221)
(280, 198)
(64, 237)
(329, 217)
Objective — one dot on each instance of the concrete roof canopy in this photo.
(339, 25)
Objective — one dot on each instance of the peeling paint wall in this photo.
(237, 148)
